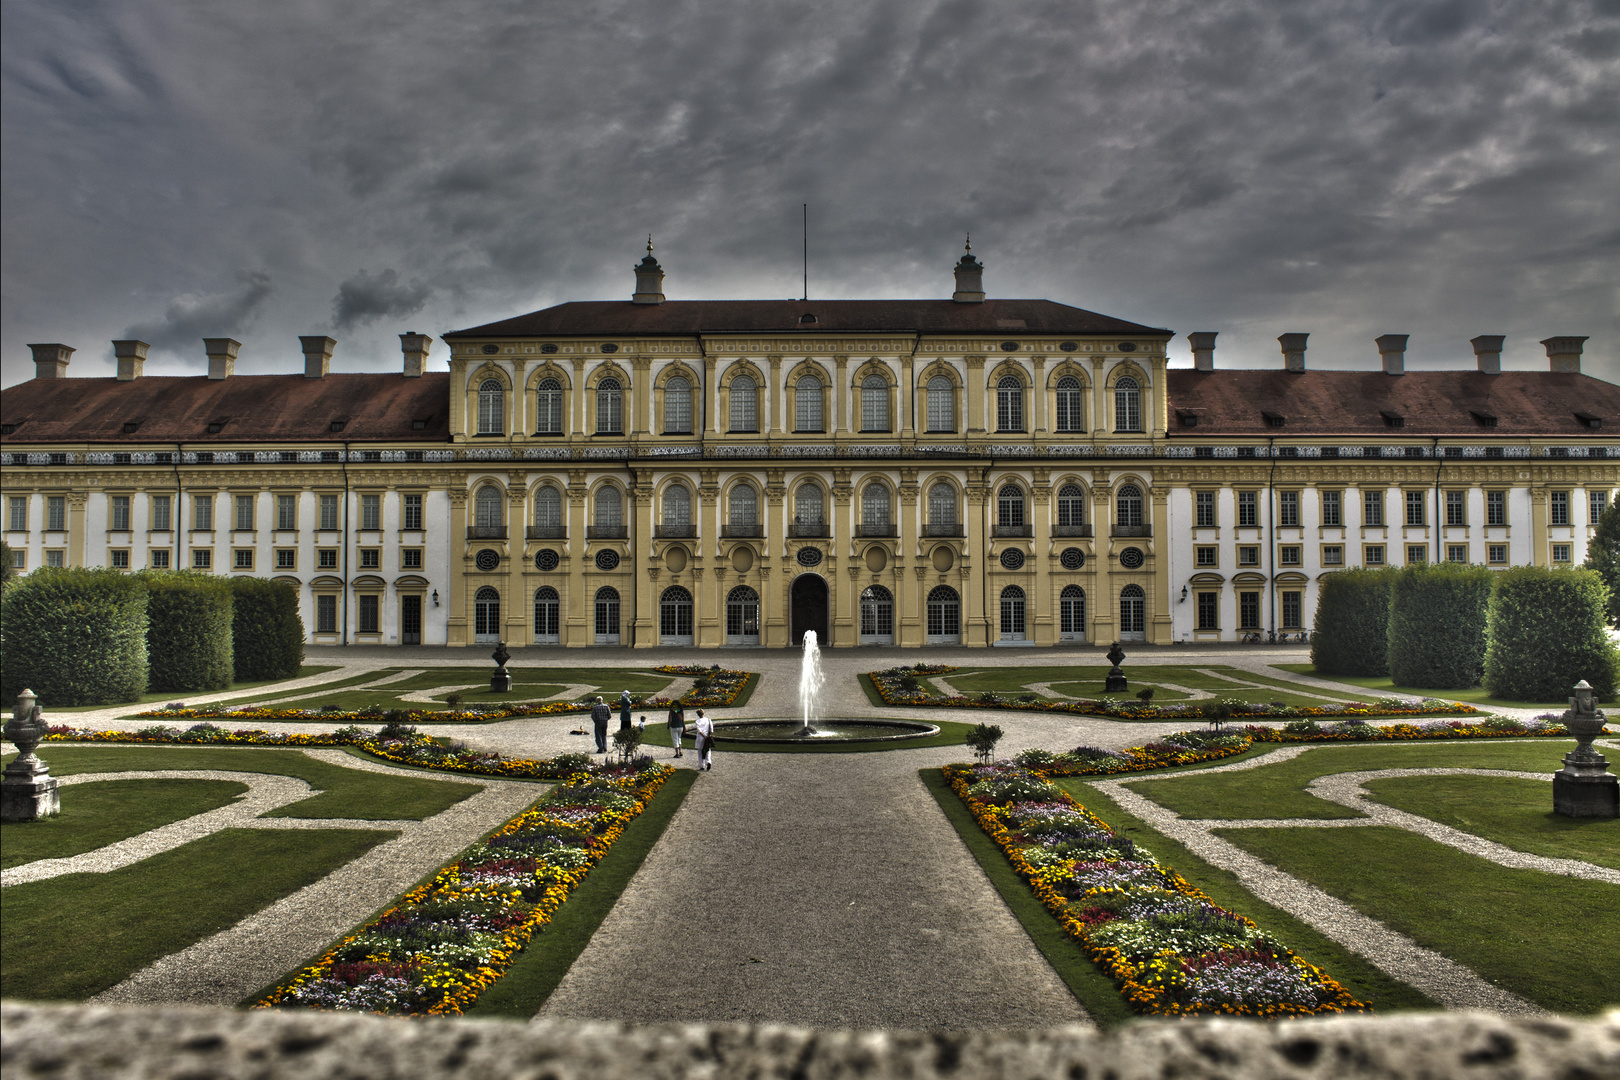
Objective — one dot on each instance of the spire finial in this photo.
(649, 243)
(969, 244)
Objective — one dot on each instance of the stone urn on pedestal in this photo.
(501, 681)
(1584, 787)
(28, 791)
(1116, 683)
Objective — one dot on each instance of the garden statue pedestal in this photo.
(1584, 787)
(1116, 683)
(501, 681)
(28, 791)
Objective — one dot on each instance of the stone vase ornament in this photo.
(501, 681)
(1584, 787)
(1116, 683)
(28, 791)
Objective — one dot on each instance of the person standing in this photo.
(624, 711)
(704, 741)
(677, 725)
(600, 715)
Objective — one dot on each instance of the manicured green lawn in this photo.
(1383, 686)
(528, 684)
(107, 812)
(191, 695)
(1088, 682)
(1549, 939)
(74, 936)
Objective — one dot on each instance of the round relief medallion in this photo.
(1012, 559)
(876, 558)
(808, 556)
(675, 558)
(742, 558)
(944, 558)
(1132, 558)
(487, 559)
(1072, 559)
(607, 560)
(546, 559)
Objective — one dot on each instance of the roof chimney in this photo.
(317, 355)
(415, 347)
(131, 359)
(1392, 350)
(221, 356)
(1564, 353)
(51, 361)
(1488, 352)
(1293, 350)
(649, 279)
(969, 277)
(1203, 349)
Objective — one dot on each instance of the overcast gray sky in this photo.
(1349, 168)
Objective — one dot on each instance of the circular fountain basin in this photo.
(841, 729)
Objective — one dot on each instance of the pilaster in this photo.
(975, 395)
(1161, 629)
(773, 401)
(456, 604)
(841, 392)
(579, 621)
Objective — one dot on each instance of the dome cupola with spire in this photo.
(969, 277)
(649, 279)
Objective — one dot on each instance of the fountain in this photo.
(810, 683)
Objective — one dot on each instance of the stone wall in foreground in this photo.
(95, 1043)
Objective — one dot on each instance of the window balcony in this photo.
(674, 532)
(606, 532)
(486, 532)
(547, 532)
(812, 528)
(880, 529)
(1071, 530)
(1132, 530)
(755, 530)
(1012, 530)
(943, 530)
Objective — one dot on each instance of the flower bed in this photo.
(1171, 949)
(445, 942)
(1492, 727)
(1180, 748)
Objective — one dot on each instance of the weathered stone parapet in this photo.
(84, 1042)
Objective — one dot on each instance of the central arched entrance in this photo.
(809, 609)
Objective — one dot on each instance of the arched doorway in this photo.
(1072, 614)
(1012, 614)
(607, 616)
(675, 617)
(742, 616)
(809, 610)
(486, 616)
(547, 608)
(1132, 614)
(944, 616)
(877, 616)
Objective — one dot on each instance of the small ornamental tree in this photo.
(982, 740)
(74, 637)
(188, 637)
(1603, 556)
(267, 631)
(1352, 623)
(1545, 632)
(1437, 625)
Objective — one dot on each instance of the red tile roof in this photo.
(376, 406)
(1233, 402)
(621, 318)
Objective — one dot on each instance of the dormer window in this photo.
(216, 426)
(1186, 419)
(337, 425)
(1589, 420)
(1484, 419)
(1392, 419)
(419, 424)
(132, 427)
(808, 319)
(1274, 419)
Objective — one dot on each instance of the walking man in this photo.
(600, 715)
(705, 741)
(677, 725)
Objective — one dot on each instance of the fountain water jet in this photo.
(810, 683)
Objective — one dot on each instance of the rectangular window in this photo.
(202, 513)
(1496, 553)
(370, 558)
(371, 511)
(1416, 553)
(326, 614)
(53, 558)
(1597, 502)
(413, 512)
(1560, 553)
(242, 559)
(1205, 502)
(118, 517)
(1496, 508)
(1415, 503)
(410, 559)
(1373, 555)
(1289, 555)
(1332, 555)
(56, 513)
(287, 513)
(1456, 553)
(1248, 556)
(1207, 556)
(1372, 503)
(1292, 611)
(202, 559)
(1209, 611)
(326, 558)
(368, 614)
(17, 513)
(286, 558)
(329, 511)
(1332, 508)
(19, 559)
(244, 512)
(1558, 508)
(1248, 611)
(119, 559)
(160, 513)
(1248, 508)
(158, 558)
(1456, 508)
(1288, 509)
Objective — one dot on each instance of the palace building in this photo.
(654, 473)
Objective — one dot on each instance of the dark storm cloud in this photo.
(189, 319)
(1347, 167)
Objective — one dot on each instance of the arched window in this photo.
(1071, 506)
(742, 507)
(875, 510)
(877, 616)
(942, 507)
(1012, 613)
(1132, 613)
(609, 407)
(944, 616)
(1072, 614)
(675, 617)
(609, 508)
(486, 616)
(677, 407)
(744, 404)
(487, 508)
(1127, 405)
(807, 404)
(1010, 506)
(1071, 413)
(941, 404)
(607, 616)
(874, 403)
(742, 616)
(1129, 506)
(807, 507)
(491, 407)
(546, 616)
(548, 508)
(1009, 404)
(678, 507)
(548, 405)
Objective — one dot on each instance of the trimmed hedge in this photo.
(1352, 623)
(74, 636)
(268, 632)
(1546, 633)
(1437, 625)
(188, 637)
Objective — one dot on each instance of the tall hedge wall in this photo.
(74, 637)
(269, 632)
(1437, 625)
(1546, 633)
(189, 633)
(1352, 623)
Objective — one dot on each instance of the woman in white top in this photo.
(705, 741)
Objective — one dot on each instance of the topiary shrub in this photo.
(74, 637)
(1437, 625)
(1352, 623)
(188, 634)
(1545, 633)
(267, 633)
